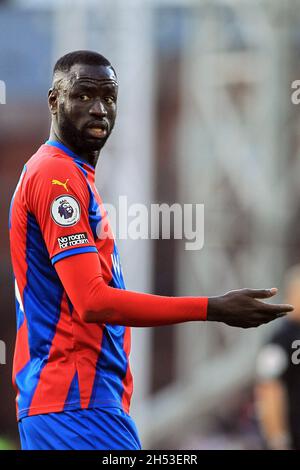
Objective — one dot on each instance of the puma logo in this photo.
(59, 183)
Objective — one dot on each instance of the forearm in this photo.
(97, 302)
(121, 307)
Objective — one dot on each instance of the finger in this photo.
(261, 293)
(277, 309)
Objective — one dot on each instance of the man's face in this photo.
(84, 102)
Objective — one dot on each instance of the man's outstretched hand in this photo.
(242, 309)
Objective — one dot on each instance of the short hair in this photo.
(65, 63)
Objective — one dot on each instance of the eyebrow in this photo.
(104, 84)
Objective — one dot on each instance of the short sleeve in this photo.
(58, 197)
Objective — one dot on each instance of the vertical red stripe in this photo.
(127, 381)
(60, 367)
(18, 244)
(21, 355)
(18, 256)
(88, 342)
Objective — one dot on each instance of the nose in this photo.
(98, 109)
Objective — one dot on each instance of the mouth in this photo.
(97, 131)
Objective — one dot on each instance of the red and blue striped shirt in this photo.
(60, 361)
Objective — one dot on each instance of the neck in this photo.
(90, 157)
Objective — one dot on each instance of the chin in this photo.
(94, 144)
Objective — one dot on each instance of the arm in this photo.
(81, 274)
(95, 301)
(272, 407)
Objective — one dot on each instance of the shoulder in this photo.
(49, 162)
(50, 173)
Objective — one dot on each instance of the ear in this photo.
(52, 100)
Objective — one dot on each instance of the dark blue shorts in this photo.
(94, 429)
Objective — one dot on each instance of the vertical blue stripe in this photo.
(73, 394)
(20, 315)
(111, 367)
(117, 273)
(112, 363)
(94, 214)
(94, 209)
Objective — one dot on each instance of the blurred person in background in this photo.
(71, 363)
(278, 376)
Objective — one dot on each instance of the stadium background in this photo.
(205, 116)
